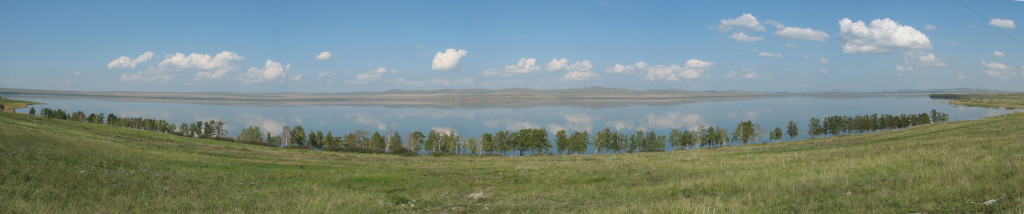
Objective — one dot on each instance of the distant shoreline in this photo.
(591, 97)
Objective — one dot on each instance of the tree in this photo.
(298, 136)
(776, 134)
(487, 143)
(602, 140)
(377, 142)
(562, 141)
(286, 136)
(792, 130)
(251, 134)
(814, 127)
(32, 111)
(415, 141)
(395, 142)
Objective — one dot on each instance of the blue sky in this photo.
(278, 46)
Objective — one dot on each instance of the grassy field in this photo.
(55, 166)
(10, 105)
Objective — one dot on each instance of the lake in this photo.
(473, 121)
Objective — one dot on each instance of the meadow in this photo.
(62, 166)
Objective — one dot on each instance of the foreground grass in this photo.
(62, 166)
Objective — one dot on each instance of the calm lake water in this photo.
(472, 122)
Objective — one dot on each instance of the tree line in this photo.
(508, 142)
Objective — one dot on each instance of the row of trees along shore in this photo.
(510, 142)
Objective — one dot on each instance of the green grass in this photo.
(10, 105)
(55, 166)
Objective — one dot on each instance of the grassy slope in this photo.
(63, 166)
(10, 105)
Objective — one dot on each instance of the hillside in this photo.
(62, 166)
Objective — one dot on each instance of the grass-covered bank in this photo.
(10, 105)
(59, 166)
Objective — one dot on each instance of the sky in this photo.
(348, 46)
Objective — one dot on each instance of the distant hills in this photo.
(594, 97)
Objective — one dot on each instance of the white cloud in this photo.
(437, 82)
(626, 69)
(930, 27)
(747, 73)
(209, 67)
(324, 74)
(692, 69)
(994, 65)
(790, 45)
(1002, 23)
(578, 75)
(325, 56)
(77, 73)
(798, 33)
(375, 74)
(998, 54)
(448, 60)
(769, 54)
(576, 71)
(128, 62)
(1001, 74)
(297, 77)
(823, 60)
(746, 21)
(882, 36)
(743, 37)
(912, 59)
(146, 76)
(558, 64)
(961, 76)
(525, 65)
(901, 68)
(823, 71)
(270, 72)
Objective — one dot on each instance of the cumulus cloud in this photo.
(557, 64)
(128, 62)
(371, 75)
(798, 33)
(923, 59)
(823, 71)
(930, 27)
(209, 67)
(994, 65)
(692, 69)
(790, 45)
(823, 60)
(998, 54)
(325, 56)
(203, 65)
(743, 37)
(270, 72)
(901, 68)
(767, 54)
(525, 65)
(324, 74)
(448, 60)
(576, 71)
(747, 73)
(437, 82)
(626, 69)
(1002, 23)
(881, 36)
(745, 21)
